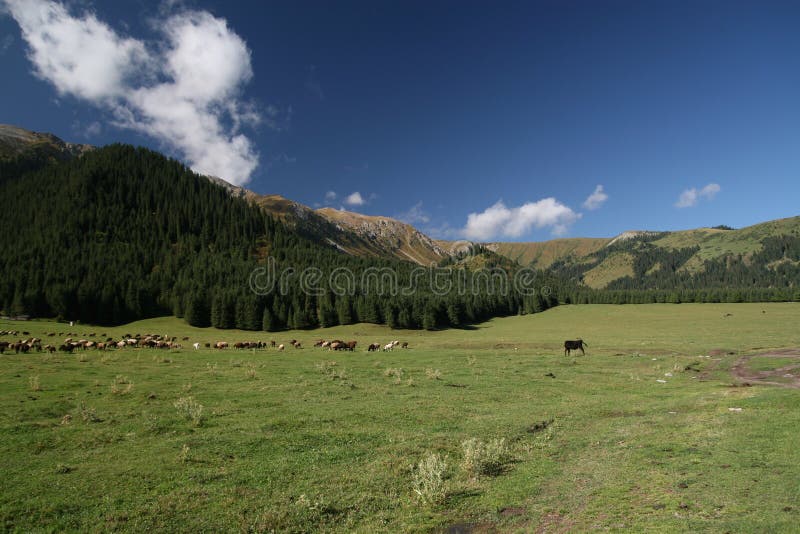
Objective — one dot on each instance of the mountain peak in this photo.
(15, 141)
(632, 234)
(396, 237)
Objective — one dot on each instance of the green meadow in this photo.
(647, 431)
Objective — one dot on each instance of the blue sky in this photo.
(484, 120)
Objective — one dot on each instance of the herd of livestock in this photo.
(156, 341)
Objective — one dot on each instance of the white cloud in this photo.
(596, 199)
(689, 197)
(414, 215)
(355, 199)
(330, 196)
(501, 221)
(183, 91)
(79, 56)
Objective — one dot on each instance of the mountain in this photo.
(763, 256)
(384, 235)
(120, 233)
(350, 233)
(17, 142)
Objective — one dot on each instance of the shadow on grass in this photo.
(454, 497)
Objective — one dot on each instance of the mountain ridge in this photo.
(595, 262)
(16, 141)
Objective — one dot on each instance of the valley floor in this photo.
(650, 430)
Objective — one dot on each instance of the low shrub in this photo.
(190, 409)
(430, 481)
(484, 458)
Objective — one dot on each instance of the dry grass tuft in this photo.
(190, 409)
(484, 458)
(430, 482)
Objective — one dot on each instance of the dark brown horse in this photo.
(576, 344)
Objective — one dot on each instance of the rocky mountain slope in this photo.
(353, 233)
(387, 235)
(15, 141)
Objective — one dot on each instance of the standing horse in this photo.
(577, 344)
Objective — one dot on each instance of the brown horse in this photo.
(576, 344)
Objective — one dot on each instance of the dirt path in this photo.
(789, 375)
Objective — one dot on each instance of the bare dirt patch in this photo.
(787, 376)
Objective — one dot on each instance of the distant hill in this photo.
(543, 254)
(765, 256)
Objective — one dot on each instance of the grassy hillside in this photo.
(612, 268)
(600, 263)
(714, 243)
(541, 255)
(638, 435)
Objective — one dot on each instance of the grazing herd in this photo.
(70, 344)
(157, 341)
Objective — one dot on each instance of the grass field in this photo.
(645, 432)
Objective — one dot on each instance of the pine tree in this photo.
(429, 318)
(343, 310)
(454, 314)
(267, 321)
(197, 312)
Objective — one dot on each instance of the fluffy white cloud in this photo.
(414, 215)
(689, 197)
(183, 90)
(355, 199)
(501, 221)
(79, 56)
(596, 199)
(330, 196)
